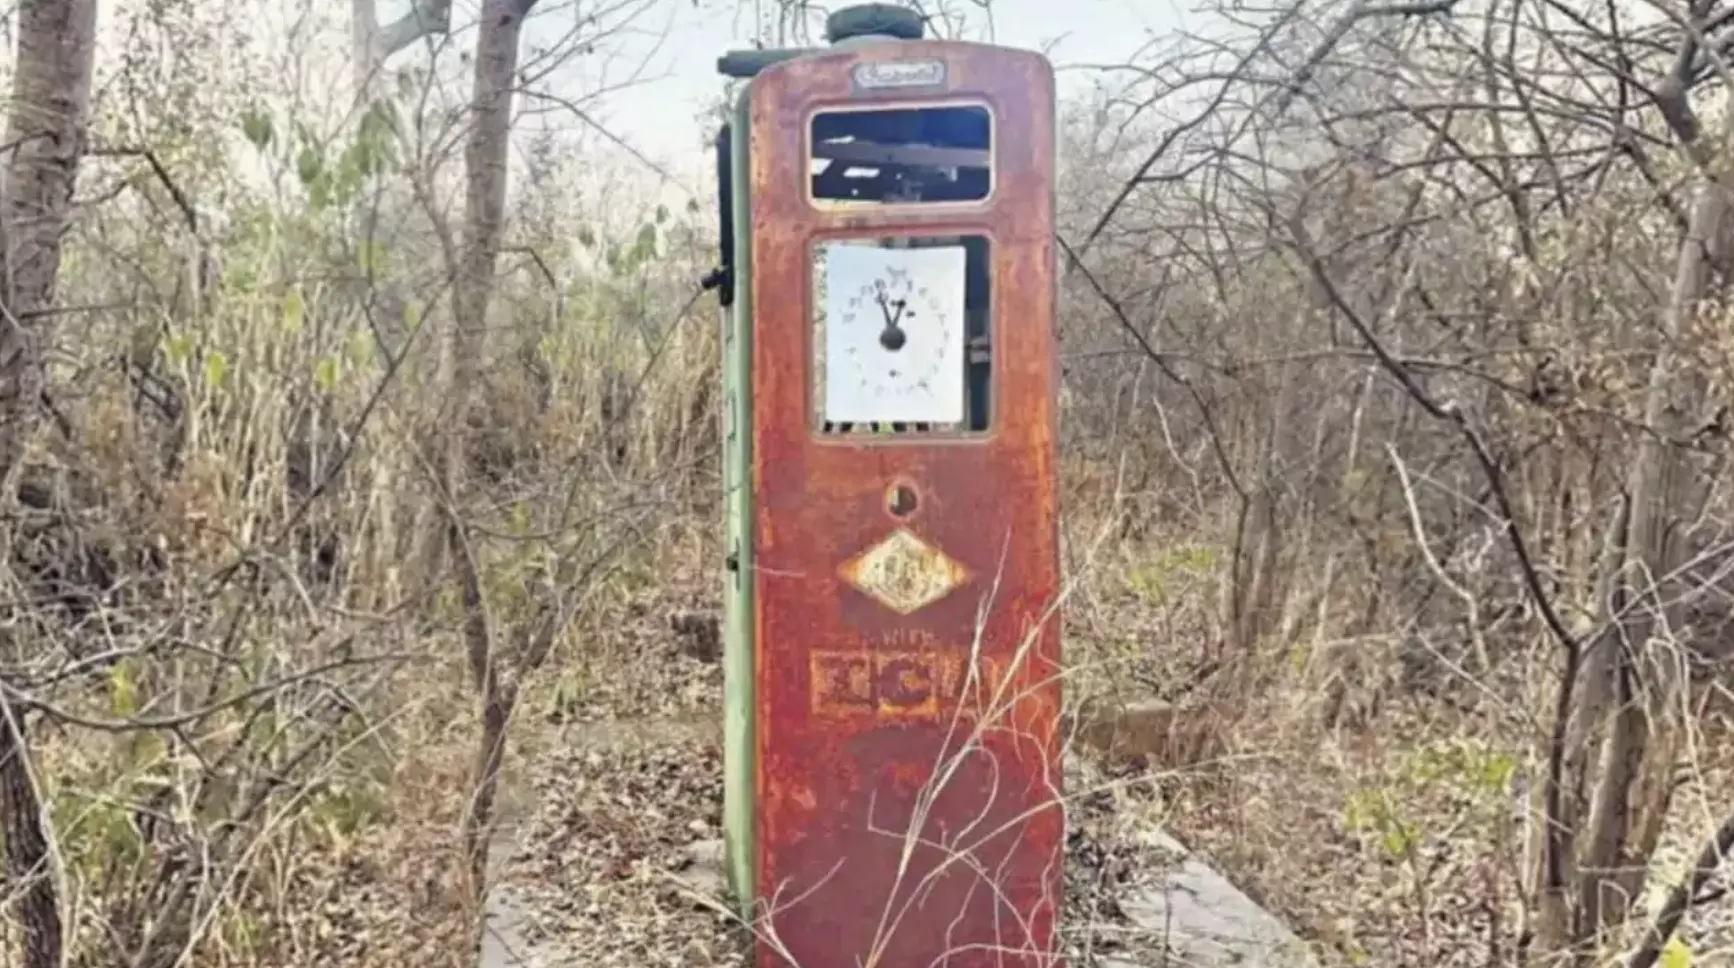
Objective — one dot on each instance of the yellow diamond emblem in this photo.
(904, 573)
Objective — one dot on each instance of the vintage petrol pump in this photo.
(892, 758)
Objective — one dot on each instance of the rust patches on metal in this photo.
(854, 698)
(904, 573)
(891, 685)
(902, 685)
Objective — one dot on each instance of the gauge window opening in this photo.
(901, 338)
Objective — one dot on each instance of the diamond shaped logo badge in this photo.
(904, 573)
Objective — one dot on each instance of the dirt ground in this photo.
(616, 776)
(622, 794)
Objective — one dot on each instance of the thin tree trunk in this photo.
(1710, 859)
(29, 870)
(373, 43)
(46, 133)
(1627, 721)
(485, 157)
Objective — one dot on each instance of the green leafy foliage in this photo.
(242, 932)
(178, 348)
(91, 806)
(574, 687)
(414, 314)
(1157, 579)
(294, 310)
(257, 127)
(97, 831)
(122, 689)
(334, 175)
(361, 350)
(371, 152)
(1472, 778)
(309, 165)
(1479, 769)
(644, 246)
(216, 368)
(344, 808)
(1374, 812)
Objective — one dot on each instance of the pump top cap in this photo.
(870, 19)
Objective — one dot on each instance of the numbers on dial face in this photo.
(904, 348)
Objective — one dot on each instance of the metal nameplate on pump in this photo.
(883, 75)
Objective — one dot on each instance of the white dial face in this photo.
(906, 356)
(894, 339)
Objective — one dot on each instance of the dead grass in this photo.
(1386, 840)
(1387, 837)
(1318, 781)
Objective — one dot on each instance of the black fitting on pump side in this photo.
(722, 278)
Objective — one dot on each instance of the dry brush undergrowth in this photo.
(241, 675)
(1405, 335)
(1397, 362)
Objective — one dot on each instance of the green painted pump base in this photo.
(739, 770)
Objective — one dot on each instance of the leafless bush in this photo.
(241, 475)
(1432, 293)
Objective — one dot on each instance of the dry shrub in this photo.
(257, 738)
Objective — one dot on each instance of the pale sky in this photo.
(655, 63)
(672, 49)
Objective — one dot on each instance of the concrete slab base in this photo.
(1206, 921)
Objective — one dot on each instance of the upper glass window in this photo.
(901, 155)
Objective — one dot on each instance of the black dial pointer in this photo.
(892, 337)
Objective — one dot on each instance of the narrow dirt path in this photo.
(519, 934)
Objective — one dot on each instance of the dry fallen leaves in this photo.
(612, 859)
